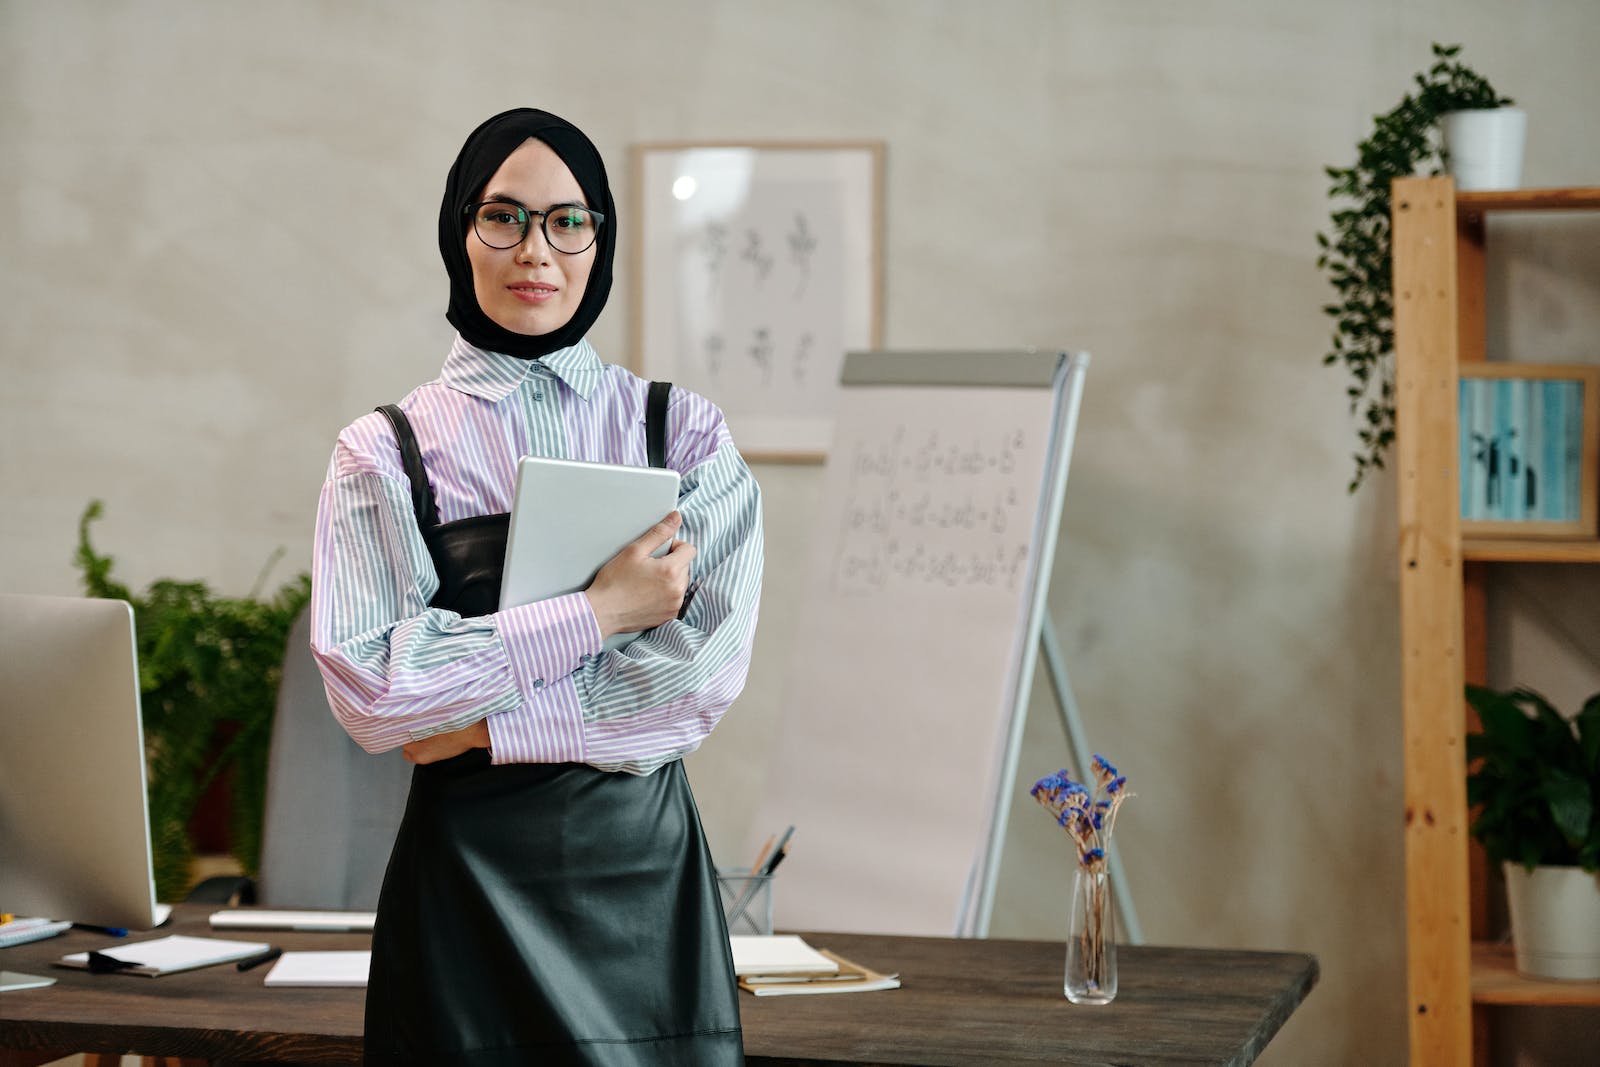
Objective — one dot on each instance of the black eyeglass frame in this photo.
(471, 213)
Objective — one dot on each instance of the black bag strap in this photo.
(655, 423)
(411, 457)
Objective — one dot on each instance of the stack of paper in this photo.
(784, 965)
(267, 919)
(169, 955)
(321, 969)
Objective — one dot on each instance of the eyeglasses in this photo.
(568, 228)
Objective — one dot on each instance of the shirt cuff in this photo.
(548, 640)
(546, 729)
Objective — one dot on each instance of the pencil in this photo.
(755, 868)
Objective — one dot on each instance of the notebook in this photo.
(321, 969)
(21, 931)
(568, 518)
(851, 977)
(170, 955)
(777, 954)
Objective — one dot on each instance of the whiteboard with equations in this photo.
(912, 663)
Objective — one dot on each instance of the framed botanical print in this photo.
(756, 268)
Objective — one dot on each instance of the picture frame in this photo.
(1529, 438)
(757, 265)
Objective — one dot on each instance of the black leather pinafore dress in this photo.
(544, 913)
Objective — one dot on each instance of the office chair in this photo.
(332, 810)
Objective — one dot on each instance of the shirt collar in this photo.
(495, 375)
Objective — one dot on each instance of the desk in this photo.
(963, 1002)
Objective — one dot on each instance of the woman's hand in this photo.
(445, 746)
(636, 590)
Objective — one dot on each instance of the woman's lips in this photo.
(532, 292)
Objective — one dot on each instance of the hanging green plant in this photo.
(1356, 255)
(209, 668)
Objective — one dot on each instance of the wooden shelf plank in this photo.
(1495, 981)
(1579, 199)
(1515, 550)
(1431, 633)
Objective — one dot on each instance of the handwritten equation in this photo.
(935, 509)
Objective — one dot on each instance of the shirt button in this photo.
(538, 396)
(538, 683)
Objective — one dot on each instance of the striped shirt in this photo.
(397, 670)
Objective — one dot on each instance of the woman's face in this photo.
(530, 289)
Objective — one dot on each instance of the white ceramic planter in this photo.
(1483, 148)
(1555, 921)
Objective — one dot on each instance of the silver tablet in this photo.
(568, 518)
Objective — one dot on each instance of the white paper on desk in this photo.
(789, 989)
(168, 955)
(777, 954)
(321, 969)
(267, 919)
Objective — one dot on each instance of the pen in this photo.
(114, 931)
(772, 864)
(684, 609)
(256, 961)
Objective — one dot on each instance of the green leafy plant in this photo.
(1356, 255)
(1537, 786)
(209, 668)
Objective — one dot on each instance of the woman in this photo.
(550, 897)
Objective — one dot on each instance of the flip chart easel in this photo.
(914, 655)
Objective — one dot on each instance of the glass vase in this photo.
(1091, 976)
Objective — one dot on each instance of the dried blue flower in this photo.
(1086, 811)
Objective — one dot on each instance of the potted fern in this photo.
(1355, 254)
(209, 667)
(1536, 788)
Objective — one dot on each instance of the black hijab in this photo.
(486, 148)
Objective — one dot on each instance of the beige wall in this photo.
(218, 248)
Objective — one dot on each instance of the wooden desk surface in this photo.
(962, 1002)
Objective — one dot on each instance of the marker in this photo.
(256, 961)
(114, 931)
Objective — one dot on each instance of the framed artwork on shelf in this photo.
(1530, 449)
(757, 266)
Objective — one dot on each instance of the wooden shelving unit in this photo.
(1439, 253)
(1495, 981)
(1506, 550)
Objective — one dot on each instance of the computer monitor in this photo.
(74, 820)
